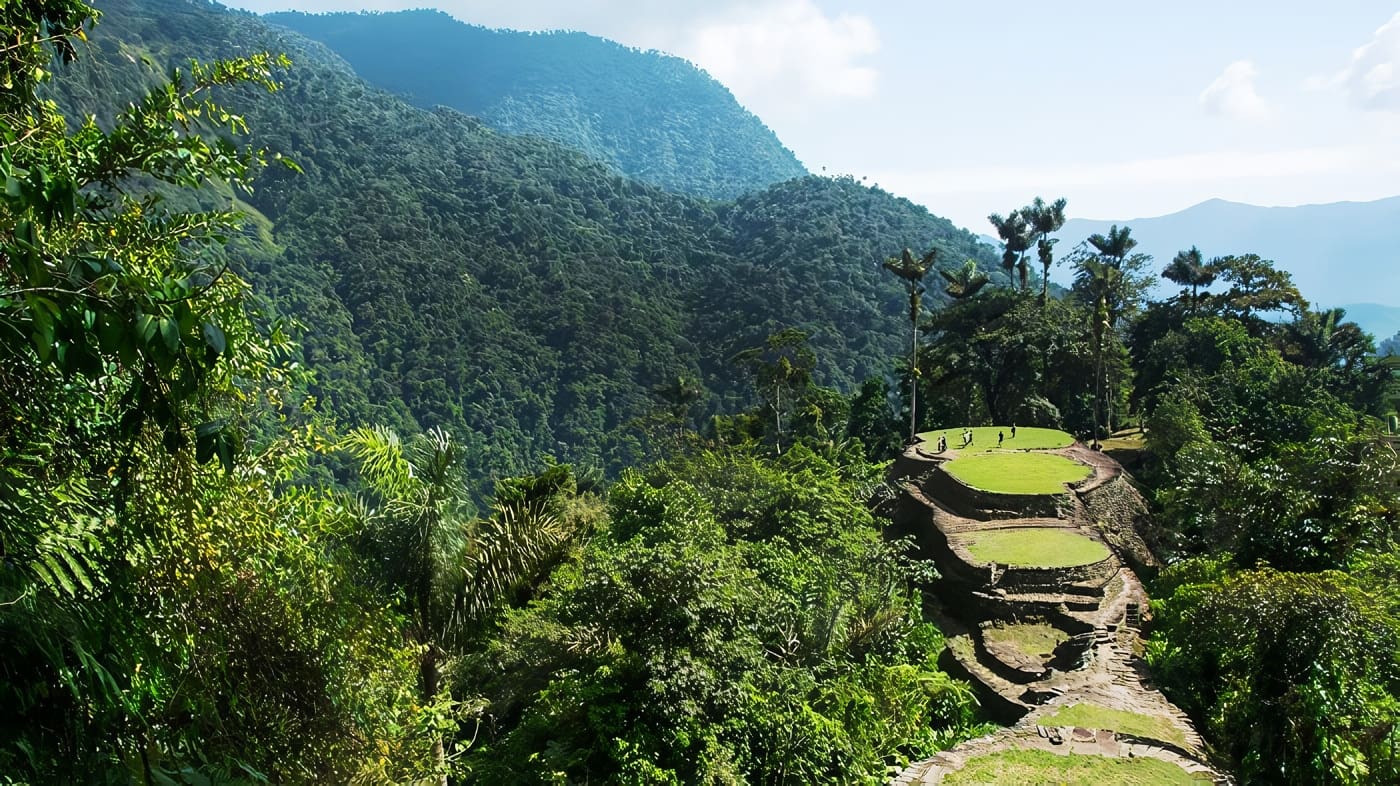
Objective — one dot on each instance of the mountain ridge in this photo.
(1337, 252)
(653, 116)
(509, 289)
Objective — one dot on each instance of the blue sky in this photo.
(1126, 109)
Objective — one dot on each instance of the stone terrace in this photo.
(1098, 608)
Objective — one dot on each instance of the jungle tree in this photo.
(782, 373)
(1015, 233)
(964, 282)
(1188, 269)
(1109, 280)
(1044, 219)
(447, 568)
(913, 270)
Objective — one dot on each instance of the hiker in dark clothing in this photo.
(1013, 430)
(1001, 437)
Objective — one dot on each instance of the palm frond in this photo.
(509, 547)
(382, 461)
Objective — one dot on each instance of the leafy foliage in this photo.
(1294, 673)
(507, 290)
(163, 615)
(738, 620)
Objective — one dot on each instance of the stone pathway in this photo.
(1101, 612)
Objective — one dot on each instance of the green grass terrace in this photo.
(984, 438)
(1094, 716)
(1043, 768)
(1018, 473)
(1033, 547)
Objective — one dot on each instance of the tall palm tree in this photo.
(1044, 219)
(1100, 283)
(964, 282)
(447, 568)
(1189, 269)
(1115, 246)
(912, 270)
(1015, 234)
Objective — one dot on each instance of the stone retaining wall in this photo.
(1120, 514)
(1021, 580)
(972, 503)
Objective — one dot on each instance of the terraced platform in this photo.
(1042, 611)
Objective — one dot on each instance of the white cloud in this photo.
(788, 50)
(773, 54)
(1372, 80)
(1233, 94)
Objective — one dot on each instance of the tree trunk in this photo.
(778, 416)
(430, 672)
(913, 376)
(1098, 392)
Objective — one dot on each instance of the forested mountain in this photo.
(655, 117)
(1338, 253)
(506, 288)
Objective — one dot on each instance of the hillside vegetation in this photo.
(654, 117)
(512, 291)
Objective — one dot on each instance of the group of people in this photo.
(967, 438)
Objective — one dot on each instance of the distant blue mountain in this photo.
(1380, 321)
(1339, 254)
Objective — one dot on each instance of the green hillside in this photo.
(504, 287)
(655, 117)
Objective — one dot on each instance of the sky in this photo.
(1126, 109)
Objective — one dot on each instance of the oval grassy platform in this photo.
(1018, 473)
(1033, 547)
(1037, 767)
(984, 438)
(1094, 716)
(1035, 640)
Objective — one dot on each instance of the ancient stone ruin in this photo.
(1040, 643)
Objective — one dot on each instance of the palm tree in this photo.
(447, 568)
(1324, 339)
(912, 270)
(1115, 246)
(1015, 234)
(1100, 280)
(1189, 269)
(964, 282)
(1043, 219)
(679, 395)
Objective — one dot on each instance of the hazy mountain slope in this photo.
(653, 116)
(1340, 253)
(504, 287)
(1380, 321)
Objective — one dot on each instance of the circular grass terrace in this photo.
(1042, 768)
(984, 438)
(1033, 547)
(1096, 716)
(1018, 473)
